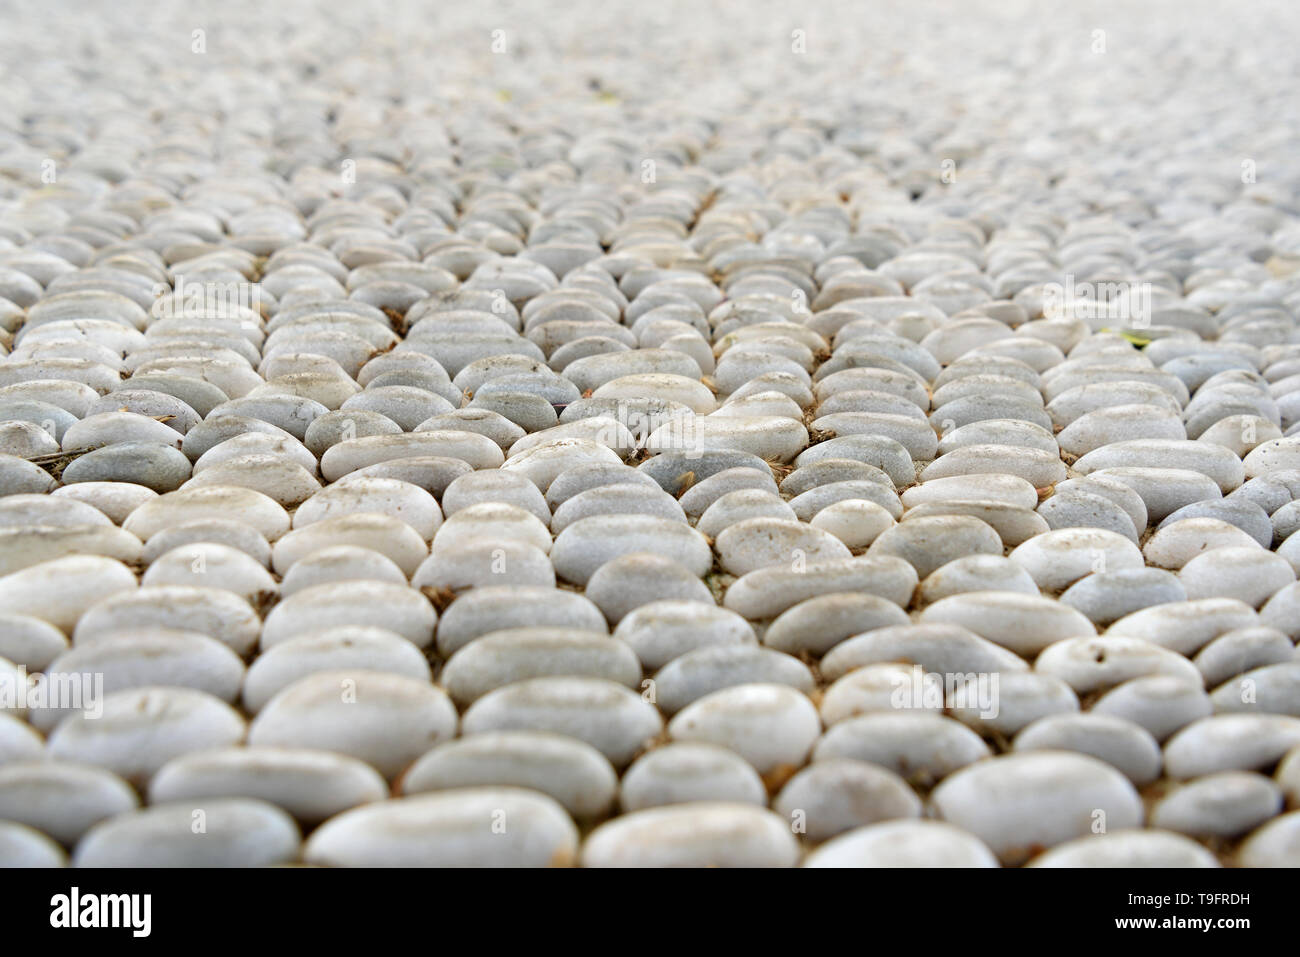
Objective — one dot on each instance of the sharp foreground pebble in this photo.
(616, 434)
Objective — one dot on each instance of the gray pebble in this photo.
(767, 592)
(62, 799)
(22, 846)
(691, 676)
(684, 772)
(817, 625)
(695, 834)
(919, 747)
(1276, 844)
(903, 844)
(1127, 848)
(1057, 797)
(771, 726)
(1223, 805)
(1240, 650)
(237, 832)
(1230, 742)
(310, 785)
(1108, 596)
(1023, 623)
(573, 773)
(1122, 744)
(499, 658)
(449, 829)
(834, 796)
(384, 719)
(609, 717)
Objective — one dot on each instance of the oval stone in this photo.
(697, 834)
(609, 717)
(1020, 803)
(384, 719)
(566, 769)
(455, 828)
(903, 844)
(236, 832)
(312, 786)
(682, 772)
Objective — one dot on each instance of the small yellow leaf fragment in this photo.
(1138, 340)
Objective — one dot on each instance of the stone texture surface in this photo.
(697, 440)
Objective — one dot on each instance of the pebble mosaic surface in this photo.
(647, 434)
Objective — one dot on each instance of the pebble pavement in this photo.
(629, 434)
